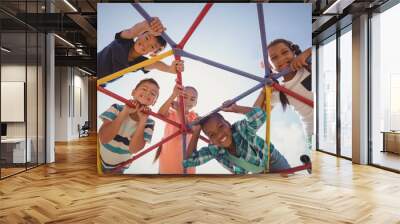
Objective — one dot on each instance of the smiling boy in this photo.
(130, 47)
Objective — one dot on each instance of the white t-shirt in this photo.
(298, 85)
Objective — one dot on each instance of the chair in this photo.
(84, 130)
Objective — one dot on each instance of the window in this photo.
(346, 92)
(385, 88)
(22, 72)
(327, 95)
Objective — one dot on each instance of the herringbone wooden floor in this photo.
(70, 191)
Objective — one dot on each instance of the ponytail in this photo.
(283, 98)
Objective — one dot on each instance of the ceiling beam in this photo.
(82, 61)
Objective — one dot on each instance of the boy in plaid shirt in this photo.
(237, 147)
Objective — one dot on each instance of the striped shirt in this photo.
(117, 150)
(249, 146)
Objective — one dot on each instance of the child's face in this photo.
(146, 93)
(280, 56)
(147, 44)
(190, 98)
(219, 132)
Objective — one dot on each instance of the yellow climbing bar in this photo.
(268, 95)
(134, 67)
(99, 169)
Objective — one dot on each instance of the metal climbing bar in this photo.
(142, 153)
(261, 24)
(179, 75)
(126, 101)
(195, 24)
(182, 113)
(268, 90)
(293, 94)
(134, 67)
(178, 53)
(295, 169)
(218, 65)
(241, 96)
(184, 149)
(206, 140)
(145, 15)
(268, 95)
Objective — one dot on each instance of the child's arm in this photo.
(175, 67)
(137, 141)
(155, 27)
(193, 141)
(196, 158)
(109, 129)
(228, 106)
(260, 101)
(301, 60)
(255, 116)
(168, 103)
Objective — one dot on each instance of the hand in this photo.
(178, 90)
(177, 66)
(229, 106)
(196, 128)
(175, 105)
(156, 27)
(299, 62)
(130, 110)
(143, 113)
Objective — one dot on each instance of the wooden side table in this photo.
(391, 141)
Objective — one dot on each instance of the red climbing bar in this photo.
(293, 94)
(142, 153)
(195, 24)
(182, 112)
(126, 101)
(295, 169)
(180, 98)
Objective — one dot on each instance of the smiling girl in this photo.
(282, 54)
(170, 153)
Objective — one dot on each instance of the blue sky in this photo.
(228, 34)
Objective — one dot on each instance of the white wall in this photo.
(61, 103)
(16, 73)
(71, 94)
(80, 100)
